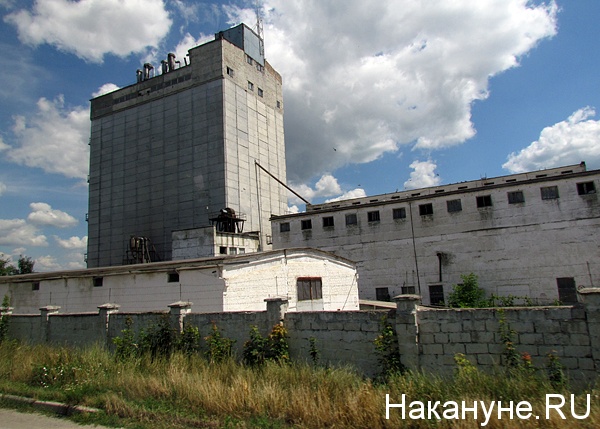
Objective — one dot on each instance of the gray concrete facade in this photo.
(531, 235)
(170, 151)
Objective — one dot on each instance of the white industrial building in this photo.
(311, 280)
(532, 235)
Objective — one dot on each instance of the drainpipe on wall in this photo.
(412, 229)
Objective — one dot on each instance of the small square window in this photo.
(426, 209)
(586, 188)
(408, 290)
(351, 219)
(223, 250)
(173, 277)
(229, 71)
(328, 221)
(399, 213)
(284, 227)
(278, 104)
(250, 86)
(35, 286)
(373, 216)
(306, 224)
(454, 206)
(484, 201)
(382, 294)
(549, 192)
(516, 197)
(309, 288)
(241, 251)
(248, 59)
(260, 92)
(233, 250)
(98, 281)
(436, 294)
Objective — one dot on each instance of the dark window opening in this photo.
(373, 216)
(586, 188)
(351, 219)
(382, 294)
(98, 281)
(408, 290)
(327, 221)
(250, 86)
(284, 227)
(260, 92)
(399, 213)
(173, 277)
(306, 224)
(436, 294)
(426, 209)
(229, 71)
(309, 288)
(35, 286)
(222, 250)
(484, 201)
(516, 197)
(567, 292)
(549, 192)
(454, 206)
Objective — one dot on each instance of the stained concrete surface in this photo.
(11, 419)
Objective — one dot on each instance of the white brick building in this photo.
(312, 280)
(532, 234)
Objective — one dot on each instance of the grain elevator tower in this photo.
(178, 150)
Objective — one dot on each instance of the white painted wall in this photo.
(519, 249)
(233, 283)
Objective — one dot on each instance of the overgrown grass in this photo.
(187, 391)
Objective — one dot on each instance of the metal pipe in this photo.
(281, 183)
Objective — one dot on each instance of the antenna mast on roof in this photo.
(259, 24)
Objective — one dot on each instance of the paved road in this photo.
(10, 419)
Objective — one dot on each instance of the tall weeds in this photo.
(187, 390)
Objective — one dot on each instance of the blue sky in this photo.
(378, 96)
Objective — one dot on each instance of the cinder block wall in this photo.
(428, 338)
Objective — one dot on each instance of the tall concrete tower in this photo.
(179, 151)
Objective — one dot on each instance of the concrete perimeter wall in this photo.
(428, 338)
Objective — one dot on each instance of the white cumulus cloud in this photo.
(91, 29)
(567, 142)
(54, 139)
(105, 89)
(44, 214)
(368, 76)
(423, 175)
(72, 243)
(17, 232)
(354, 193)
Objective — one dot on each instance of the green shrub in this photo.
(468, 294)
(219, 347)
(386, 348)
(258, 349)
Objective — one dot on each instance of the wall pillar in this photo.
(178, 310)
(46, 311)
(104, 312)
(276, 310)
(407, 329)
(590, 298)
